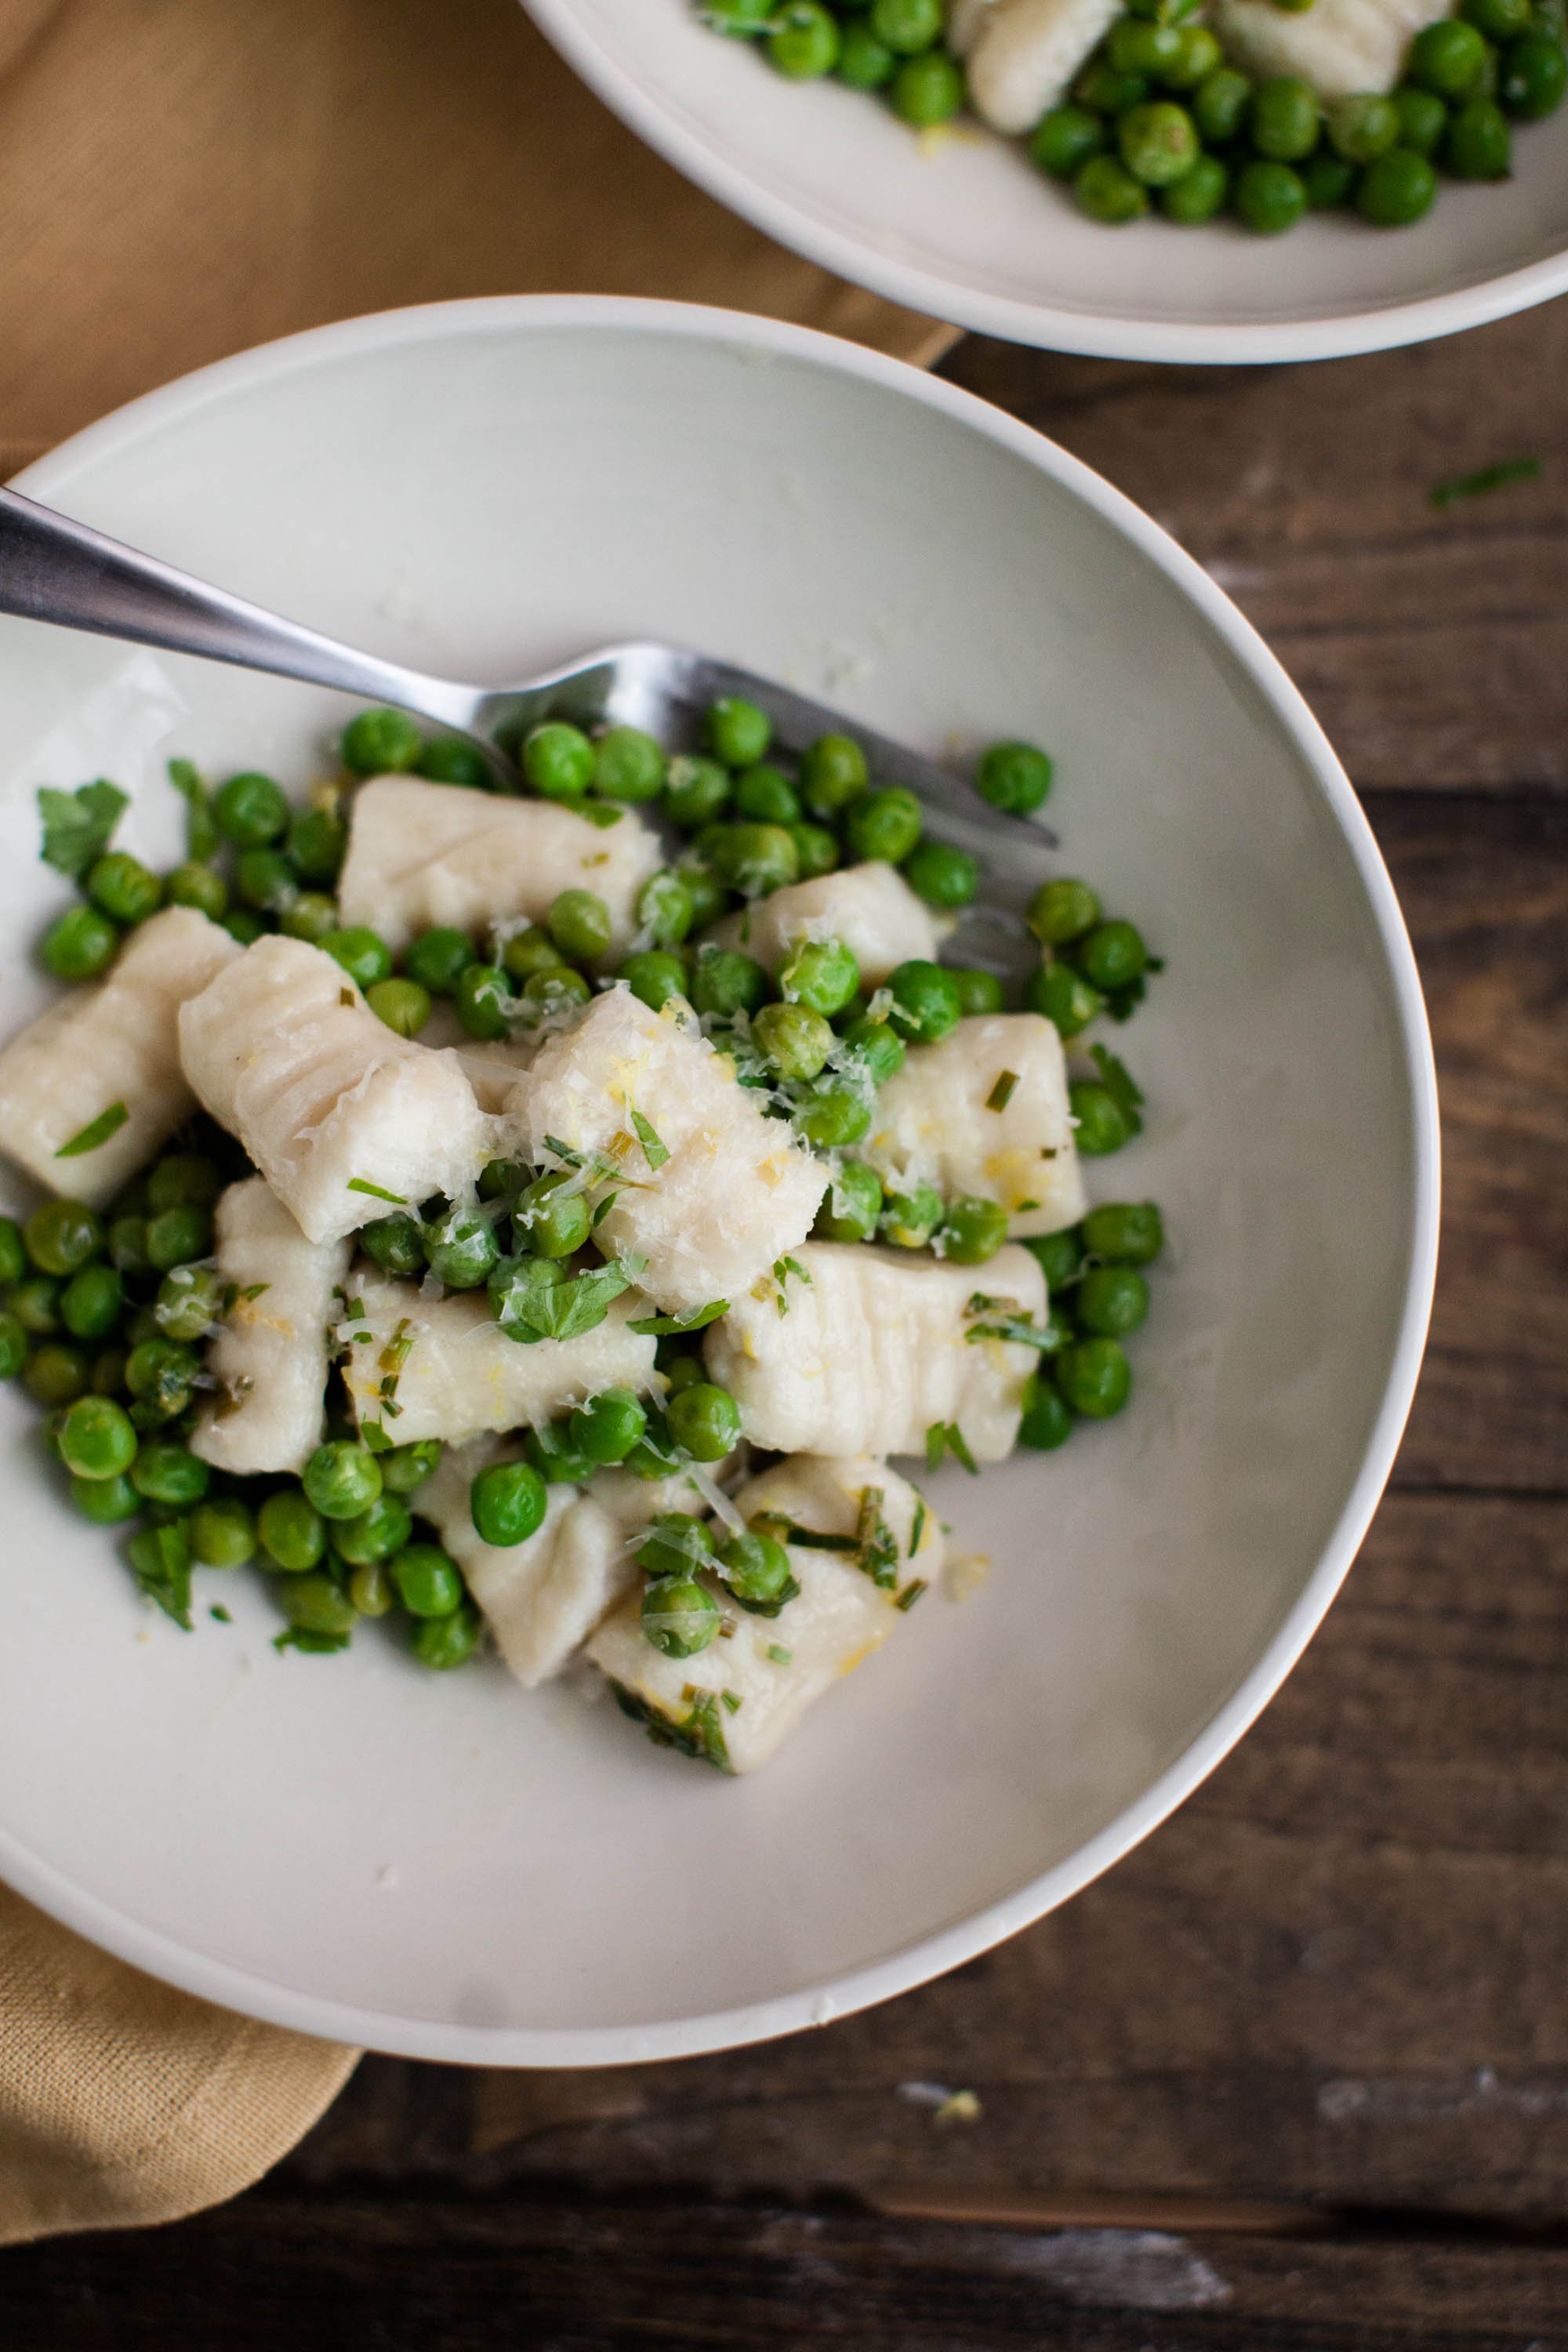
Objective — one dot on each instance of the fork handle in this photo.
(52, 569)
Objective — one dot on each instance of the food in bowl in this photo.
(454, 1195)
(1264, 109)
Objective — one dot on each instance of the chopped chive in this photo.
(376, 1192)
(918, 1524)
(1488, 477)
(1001, 1093)
(911, 1592)
(98, 1131)
(732, 1700)
(779, 1654)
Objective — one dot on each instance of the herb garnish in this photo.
(875, 1541)
(779, 1654)
(732, 1700)
(667, 1325)
(161, 1563)
(918, 1524)
(298, 1637)
(376, 1192)
(1490, 477)
(946, 1437)
(98, 1131)
(782, 1268)
(654, 1151)
(911, 1592)
(700, 1735)
(564, 1311)
(1001, 1093)
(79, 826)
(1119, 1084)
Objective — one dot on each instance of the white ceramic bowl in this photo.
(965, 229)
(441, 1865)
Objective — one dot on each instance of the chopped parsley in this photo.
(779, 1654)
(79, 825)
(782, 1268)
(161, 1563)
(1119, 1084)
(98, 1131)
(667, 1325)
(1002, 1093)
(601, 1211)
(376, 1192)
(1490, 477)
(253, 1291)
(200, 826)
(220, 1612)
(564, 1311)
(597, 813)
(946, 1437)
(654, 1151)
(733, 1701)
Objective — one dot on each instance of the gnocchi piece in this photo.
(775, 1666)
(455, 1374)
(493, 1068)
(871, 907)
(336, 1111)
(632, 1501)
(966, 20)
(1341, 46)
(542, 1597)
(421, 853)
(875, 1348)
(725, 1190)
(1025, 52)
(114, 1042)
(984, 1113)
(271, 1352)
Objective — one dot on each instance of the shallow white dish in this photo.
(443, 1865)
(965, 228)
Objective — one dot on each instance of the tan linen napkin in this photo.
(180, 179)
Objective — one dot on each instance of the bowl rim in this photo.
(50, 478)
(1175, 341)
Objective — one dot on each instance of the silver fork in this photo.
(52, 569)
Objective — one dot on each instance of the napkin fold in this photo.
(180, 179)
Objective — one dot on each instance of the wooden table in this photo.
(1295, 2075)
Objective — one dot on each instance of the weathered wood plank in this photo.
(1434, 646)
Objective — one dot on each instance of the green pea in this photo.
(1199, 195)
(13, 1346)
(1363, 128)
(1159, 139)
(654, 976)
(607, 1427)
(1531, 82)
(928, 90)
(884, 824)
(832, 1118)
(1066, 138)
(680, 1616)
(1101, 1121)
(1062, 911)
(1111, 1299)
(444, 1642)
(978, 992)
(972, 1231)
(682, 1369)
(241, 924)
(251, 809)
(755, 1567)
(1113, 956)
(370, 1587)
(317, 842)
(56, 1374)
(529, 951)
(263, 878)
(558, 760)
(1047, 1421)
(107, 1502)
(909, 1219)
(764, 795)
(128, 1245)
(709, 897)
(851, 1205)
(429, 1583)
(943, 875)
(726, 982)
(802, 43)
(438, 959)
(165, 1471)
(222, 1533)
(925, 1006)
(12, 1251)
(375, 1534)
(316, 1604)
(401, 1004)
(292, 1531)
(1220, 104)
(1285, 119)
(1479, 145)
(1498, 20)
(696, 791)
(1059, 1255)
(484, 1001)
(792, 1039)
(1448, 57)
(450, 759)
(108, 1370)
(176, 1235)
(1137, 47)
(122, 887)
(382, 743)
(705, 1420)
(1423, 119)
(97, 1439)
(754, 858)
(404, 1467)
(664, 907)
(1329, 181)
(906, 26)
(864, 62)
(629, 765)
(502, 1179)
(79, 945)
(556, 1462)
(1107, 191)
(62, 1235)
(364, 956)
(674, 1544)
(1270, 197)
(832, 773)
(341, 1479)
(555, 1222)
(92, 1302)
(1396, 189)
(395, 1244)
(1124, 1233)
(1198, 55)
(579, 922)
(311, 916)
(1095, 1378)
(34, 1303)
(196, 885)
(507, 1503)
(558, 990)
(821, 974)
(184, 1180)
(161, 1375)
(736, 732)
(462, 1249)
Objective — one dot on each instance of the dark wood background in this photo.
(1295, 2075)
